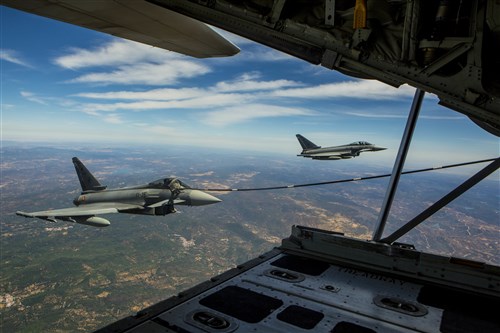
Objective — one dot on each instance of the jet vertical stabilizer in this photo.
(306, 144)
(87, 180)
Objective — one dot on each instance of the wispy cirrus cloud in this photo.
(272, 89)
(49, 100)
(131, 63)
(399, 116)
(242, 99)
(253, 85)
(245, 84)
(250, 81)
(146, 73)
(13, 57)
(34, 97)
(162, 94)
(113, 118)
(366, 89)
(203, 102)
(239, 114)
(114, 53)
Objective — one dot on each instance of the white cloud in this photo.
(113, 119)
(8, 106)
(248, 76)
(163, 94)
(259, 102)
(33, 97)
(243, 83)
(241, 99)
(239, 114)
(146, 73)
(366, 89)
(115, 53)
(131, 63)
(250, 85)
(65, 103)
(204, 102)
(13, 57)
(399, 116)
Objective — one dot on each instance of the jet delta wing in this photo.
(155, 198)
(311, 150)
(82, 214)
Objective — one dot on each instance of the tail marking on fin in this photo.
(305, 143)
(87, 180)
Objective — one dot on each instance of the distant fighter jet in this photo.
(155, 198)
(351, 150)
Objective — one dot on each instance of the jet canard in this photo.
(311, 150)
(155, 198)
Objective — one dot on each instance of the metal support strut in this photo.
(465, 186)
(399, 163)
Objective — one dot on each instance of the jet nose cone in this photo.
(378, 148)
(199, 198)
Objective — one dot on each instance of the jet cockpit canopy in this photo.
(165, 183)
(361, 143)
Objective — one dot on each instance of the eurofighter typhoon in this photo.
(311, 150)
(155, 198)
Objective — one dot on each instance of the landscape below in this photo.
(68, 277)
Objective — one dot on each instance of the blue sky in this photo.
(62, 83)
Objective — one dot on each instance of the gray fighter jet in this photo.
(155, 198)
(311, 150)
